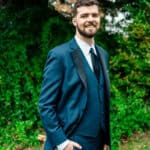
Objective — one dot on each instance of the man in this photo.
(74, 99)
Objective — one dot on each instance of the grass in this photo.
(137, 142)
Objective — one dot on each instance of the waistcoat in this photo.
(93, 118)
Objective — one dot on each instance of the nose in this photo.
(90, 18)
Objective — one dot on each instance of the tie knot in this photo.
(92, 51)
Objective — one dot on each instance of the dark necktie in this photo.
(95, 63)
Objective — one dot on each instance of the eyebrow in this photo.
(85, 14)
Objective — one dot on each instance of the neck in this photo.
(90, 41)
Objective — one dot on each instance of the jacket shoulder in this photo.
(103, 51)
(104, 54)
(60, 50)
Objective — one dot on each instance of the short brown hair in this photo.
(80, 3)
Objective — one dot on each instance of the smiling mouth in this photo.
(90, 27)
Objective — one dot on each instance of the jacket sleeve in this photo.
(49, 96)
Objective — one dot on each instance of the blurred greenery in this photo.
(26, 36)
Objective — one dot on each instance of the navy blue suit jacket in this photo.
(63, 94)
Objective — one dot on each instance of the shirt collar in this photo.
(85, 47)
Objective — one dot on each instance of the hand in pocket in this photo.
(73, 146)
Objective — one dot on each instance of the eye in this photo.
(84, 16)
(95, 15)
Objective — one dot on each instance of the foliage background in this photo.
(26, 36)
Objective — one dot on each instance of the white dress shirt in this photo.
(85, 48)
(62, 145)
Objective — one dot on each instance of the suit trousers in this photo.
(89, 143)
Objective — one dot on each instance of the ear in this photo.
(74, 21)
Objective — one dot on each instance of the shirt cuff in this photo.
(62, 145)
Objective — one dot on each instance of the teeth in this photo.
(90, 26)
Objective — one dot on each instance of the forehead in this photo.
(87, 9)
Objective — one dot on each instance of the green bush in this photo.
(25, 40)
(130, 82)
(19, 76)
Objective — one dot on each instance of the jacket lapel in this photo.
(104, 68)
(78, 61)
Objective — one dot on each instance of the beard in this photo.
(87, 34)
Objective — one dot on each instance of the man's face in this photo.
(87, 21)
